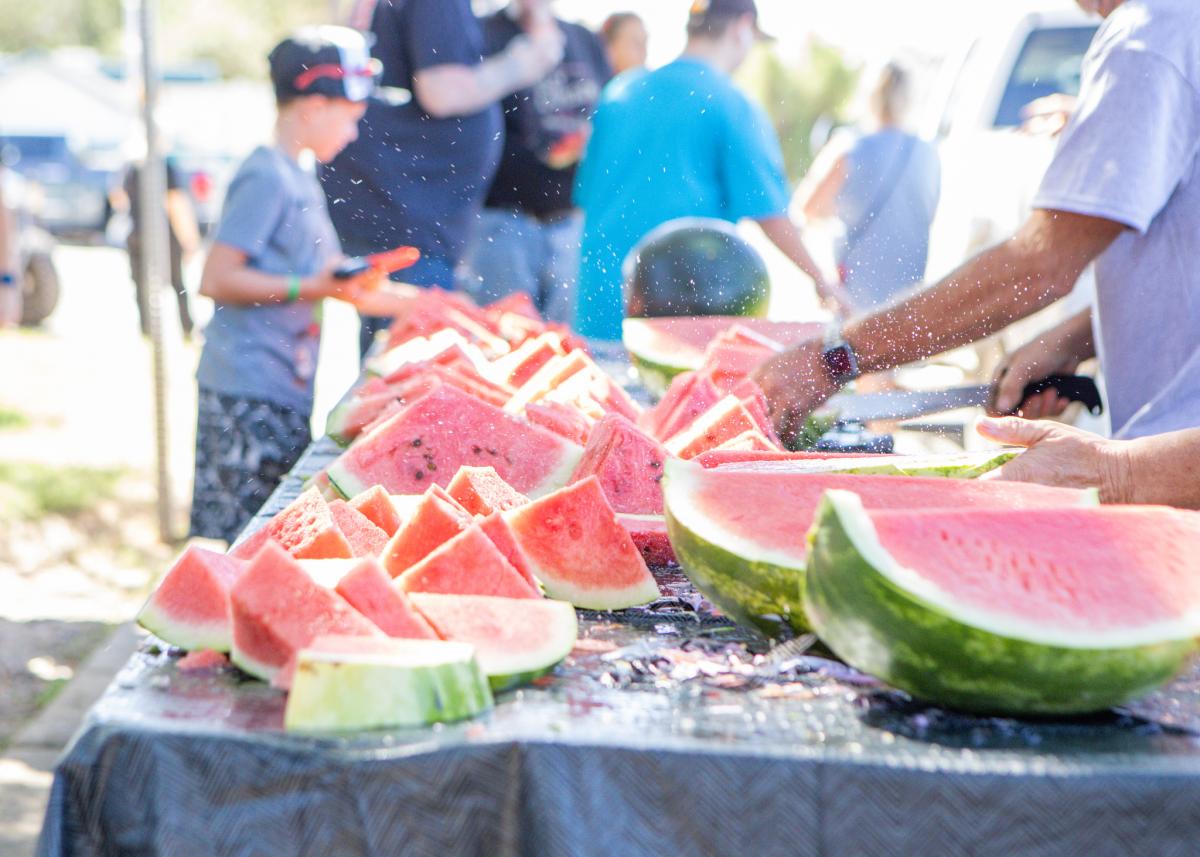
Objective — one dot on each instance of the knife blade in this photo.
(907, 404)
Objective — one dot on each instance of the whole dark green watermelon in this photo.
(695, 266)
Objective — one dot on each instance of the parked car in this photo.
(35, 253)
(73, 194)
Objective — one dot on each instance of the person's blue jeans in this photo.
(429, 271)
(511, 251)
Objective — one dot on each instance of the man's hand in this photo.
(1057, 351)
(1062, 456)
(795, 383)
(349, 289)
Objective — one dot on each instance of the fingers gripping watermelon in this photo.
(1051, 611)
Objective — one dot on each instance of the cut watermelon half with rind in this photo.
(959, 617)
(516, 640)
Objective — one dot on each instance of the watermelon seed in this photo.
(416, 441)
(478, 450)
(419, 475)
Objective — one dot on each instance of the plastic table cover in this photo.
(668, 731)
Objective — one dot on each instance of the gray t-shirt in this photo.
(274, 213)
(1131, 154)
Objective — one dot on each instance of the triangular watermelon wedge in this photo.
(723, 421)
(369, 590)
(364, 537)
(481, 491)
(628, 463)
(190, 607)
(377, 505)
(689, 396)
(305, 528)
(468, 564)
(435, 520)
(580, 552)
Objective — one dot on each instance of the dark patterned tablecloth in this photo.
(667, 732)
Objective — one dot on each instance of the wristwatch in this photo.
(839, 358)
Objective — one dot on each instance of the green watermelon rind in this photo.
(757, 589)
(877, 625)
(251, 665)
(656, 376)
(336, 422)
(191, 636)
(368, 692)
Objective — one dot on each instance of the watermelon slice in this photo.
(481, 491)
(368, 589)
(730, 362)
(722, 456)
(580, 552)
(190, 607)
(564, 420)
(376, 504)
(516, 640)
(741, 534)
(1051, 611)
(278, 609)
(519, 365)
(515, 302)
(724, 421)
(352, 683)
(468, 564)
(752, 440)
(431, 438)
(958, 465)
(496, 528)
(628, 463)
(304, 528)
(435, 520)
(689, 396)
(364, 537)
(661, 348)
(649, 533)
(553, 372)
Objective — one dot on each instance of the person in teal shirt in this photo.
(682, 141)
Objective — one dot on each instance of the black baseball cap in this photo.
(331, 61)
(704, 11)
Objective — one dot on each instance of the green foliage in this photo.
(11, 418)
(797, 96)
(54, 23)
(30, 491)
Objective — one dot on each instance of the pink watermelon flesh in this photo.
(434, 521)
(728, 363)
(376, 504)
(202, 659)
(431, 438)
(190, 607)
(688, 336)
(723, 421)
(649, 533)
(368, 589)
(516, 302)
(696, 394)
(718, 457)
(562, 419)
(481, 491)
(740, 334)
(753, 440)
(348, 419)
(775, 510)
(468, 564)
(364, 537)
(628, 463)
(498, 530)
(754, 400)
(304, 528)
(523, 363)
(1088, 570)
(580, 552)
(278, 609)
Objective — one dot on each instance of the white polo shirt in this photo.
(1131, 154)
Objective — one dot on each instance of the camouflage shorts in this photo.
(244, 447)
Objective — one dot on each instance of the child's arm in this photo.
(228, 279)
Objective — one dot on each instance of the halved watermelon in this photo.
(741, 534)
(278, 609)
(1049, 611)
(430, 439)
(435, 520)
(661, 348)
(516, 639)
(580, 552)
(377, 505)
(304, 528)
(481, 491)
(349, 683)
(628, 463)
(368, 589)
(190, 607)
(649, 533)
(724, 421)
(364, 537)
(468, 564)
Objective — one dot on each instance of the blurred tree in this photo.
(235, 34)
(799, 97)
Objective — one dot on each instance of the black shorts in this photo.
(244, 448)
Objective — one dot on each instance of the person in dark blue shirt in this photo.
(527, 237)
(431, 141)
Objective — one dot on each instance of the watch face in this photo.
(838, 361)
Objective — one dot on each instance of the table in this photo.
(669, 731)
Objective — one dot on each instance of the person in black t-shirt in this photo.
(431, 141)
(528, 232)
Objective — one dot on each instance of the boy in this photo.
(271, 264)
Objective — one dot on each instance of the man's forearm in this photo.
(784, 234)
(1039, 265)
(1163, 470)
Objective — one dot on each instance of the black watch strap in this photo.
(840, 362)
